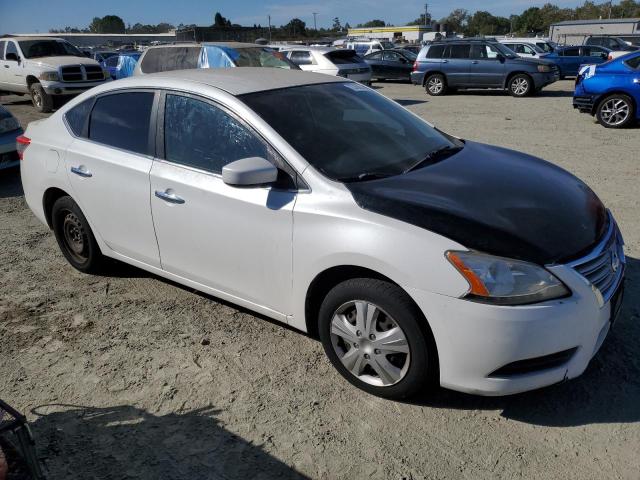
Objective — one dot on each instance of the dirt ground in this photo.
(130, 376)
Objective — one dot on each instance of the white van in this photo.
(365, 47)
(543, 43)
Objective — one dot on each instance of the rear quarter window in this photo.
(169, 59)
(634, 63)
(76, 117)
(435, 51)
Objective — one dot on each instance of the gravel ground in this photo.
(131, 376)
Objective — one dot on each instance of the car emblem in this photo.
(615, 262)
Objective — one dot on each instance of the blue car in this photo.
(122, 65)
(611, 91)
(9, 131)
(569, 59)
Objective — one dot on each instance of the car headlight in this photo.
(49, 76)
(504, 281)
(8, 124)
(544, 68)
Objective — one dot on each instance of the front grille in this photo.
(536, 364)
(604, 266)
(81, 73)
(94, 72)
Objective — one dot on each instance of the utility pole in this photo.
(426, 13)
(269, 17)
(315, 26)
(610, 6)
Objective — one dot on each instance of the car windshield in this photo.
(261, 57)
(545, 47)
(48, 48)
(348, 131)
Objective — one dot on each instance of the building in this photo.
(573, 32)
(106, 39)
(222, 34)
(408, 33)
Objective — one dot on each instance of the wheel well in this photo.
(513, 74)
(431, 72)
(50, 196)
(31, 80)
(614, 92)
(324, 282)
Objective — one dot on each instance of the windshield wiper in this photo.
(364, 177)
(437, 154)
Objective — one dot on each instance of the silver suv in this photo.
(46, 68)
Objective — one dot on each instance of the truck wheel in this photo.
(41, 99)
(615, 111)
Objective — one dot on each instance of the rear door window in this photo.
(571, 52)
(300, 57)
(170, 58)
(459, 51)
(375, 56)
(392, 56)
(483, 52)
(122, 120)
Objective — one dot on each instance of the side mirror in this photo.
(12, 57)
(251, 171)
(500, 58)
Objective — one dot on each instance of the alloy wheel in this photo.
(615, 111)
(520, 86)
(435, 85)
(37, 98)
(370, 343)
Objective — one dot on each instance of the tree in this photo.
(530, 21)
(107, 24)
(421, 20)
(457, 20)
(295, 27)
(371, 24)
(347, 26)
(220, 21)
(336, 25)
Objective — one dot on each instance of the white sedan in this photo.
(414, 256)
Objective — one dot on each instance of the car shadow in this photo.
(126, 442)
(15, 100)
(503, 93)
(409, 102)
(607, 392)
(10, 184)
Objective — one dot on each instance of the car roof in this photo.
(242, 80)
(305, 48)
(20, 37)
(217, 44)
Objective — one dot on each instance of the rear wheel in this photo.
(74, 236)
(435, 84)
(615, 111)
(42, 101)
(377, 339)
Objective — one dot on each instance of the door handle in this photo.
(81, 171)
(445, 61)
(6, 66)
(475, 62)
(169, 196)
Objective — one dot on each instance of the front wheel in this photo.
(615, 111)
(377, 339)
(74, 236)
(435, 84)
(520, 85)
(42, 101)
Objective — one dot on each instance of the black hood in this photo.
(496, 201)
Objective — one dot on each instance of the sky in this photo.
(41, 15)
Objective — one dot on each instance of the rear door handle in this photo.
(169, 196)
(81, 171)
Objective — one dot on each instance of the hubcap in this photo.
(75, 238)
(520, 86)
(615, 111)
(370, 343)
(37, 99)
(435, 85)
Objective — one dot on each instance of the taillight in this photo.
(22, 143)
(415, 66)
(610, 57)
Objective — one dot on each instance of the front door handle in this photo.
(83, 172)
(169, 196)
(475, 62)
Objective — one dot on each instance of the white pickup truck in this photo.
(46, 68)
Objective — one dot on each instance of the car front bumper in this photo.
(584, 103)
(67, 88)
(8, 155)
(475, 340)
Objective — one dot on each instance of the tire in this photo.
(436, 84)
(75, 238)
(616, 111)
(42, 101)
(411, 362)
(520, 85)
